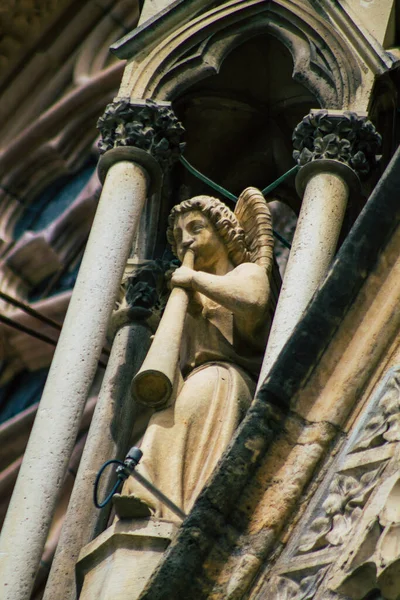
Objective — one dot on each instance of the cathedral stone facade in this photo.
(264, 389)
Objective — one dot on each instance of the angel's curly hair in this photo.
(223, 220)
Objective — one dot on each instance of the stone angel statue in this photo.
(225, 330)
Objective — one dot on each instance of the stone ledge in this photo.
(102, 570)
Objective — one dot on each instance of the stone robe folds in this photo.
(184, 441)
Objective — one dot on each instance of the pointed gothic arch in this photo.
(322, 60)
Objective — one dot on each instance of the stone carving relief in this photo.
(348, 138)
(343, 507)
(220, 352)
(287, 589)
(349, 544)
(372, 560)
(144, 293)
(148, 125)
(305, 589)
(384, 426)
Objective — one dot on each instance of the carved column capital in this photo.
(341, 136)
(143, 294)
(145, 125)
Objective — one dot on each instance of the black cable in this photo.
(30, 311)
(121, 478)
(28, 330)
(124, 470)
(34, 333)
(37, 315)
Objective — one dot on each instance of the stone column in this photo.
(155, 134)
(334, 150)
(110, 432)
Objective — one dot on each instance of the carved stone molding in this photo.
(322, 60)
(347, 547)
(345, 137)
(147, 125)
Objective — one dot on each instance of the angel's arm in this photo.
(244, 291)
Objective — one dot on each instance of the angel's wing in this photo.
(254, 217)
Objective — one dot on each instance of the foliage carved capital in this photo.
(345, 137)
(143, 295)
(147, 125)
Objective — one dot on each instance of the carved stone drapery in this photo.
(145, 124)
(345, 137)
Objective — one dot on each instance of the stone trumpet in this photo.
(154, 383)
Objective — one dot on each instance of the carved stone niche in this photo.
(347, 546)
(240, 77)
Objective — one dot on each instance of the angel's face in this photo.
(193, 230)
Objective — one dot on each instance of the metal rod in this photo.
(159, 495)
(232, 197)
(207, 180)
(278, 181)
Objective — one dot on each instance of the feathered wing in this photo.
(254, 216)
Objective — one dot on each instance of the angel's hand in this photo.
(182, 277)
(168, 276)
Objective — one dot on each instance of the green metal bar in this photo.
(233, 198)
(208, 181)
(282, 239)
(278, 181)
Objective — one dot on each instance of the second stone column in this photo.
(333, 149)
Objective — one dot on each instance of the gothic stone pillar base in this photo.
(119, 562)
